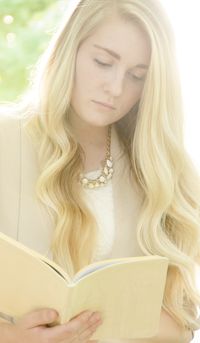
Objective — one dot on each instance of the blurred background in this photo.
(27, 26)
(25, 29)
(184, 17)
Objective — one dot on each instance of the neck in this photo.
(89, 135)
(93, 140)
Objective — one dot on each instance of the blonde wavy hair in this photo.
(169, 224)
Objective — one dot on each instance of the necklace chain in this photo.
(106, 171)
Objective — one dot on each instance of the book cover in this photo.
(128, 292)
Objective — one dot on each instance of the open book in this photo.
(127, 291)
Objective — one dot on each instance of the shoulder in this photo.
(12, 128)
(9, 124)
(7, 120)
(10, 137)
(15, 143)
(9, 132)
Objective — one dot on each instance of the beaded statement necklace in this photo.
(106, 171)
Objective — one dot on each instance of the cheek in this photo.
(130, 98)
(86, 77)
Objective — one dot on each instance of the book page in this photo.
(56, 268)
(137, 284)
(91, 269)
(18, 246)
(105, 263)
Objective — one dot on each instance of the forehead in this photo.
(126, 38)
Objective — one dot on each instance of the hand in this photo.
(33, 328)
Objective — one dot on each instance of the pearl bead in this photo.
(109, 163)
(102, 179)
(106, 170)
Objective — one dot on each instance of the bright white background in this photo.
(185, 18)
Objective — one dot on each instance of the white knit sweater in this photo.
(100, 201)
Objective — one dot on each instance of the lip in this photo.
(105, 105)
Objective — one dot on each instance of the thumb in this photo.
(37, 318)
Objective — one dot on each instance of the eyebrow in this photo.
(118, 57)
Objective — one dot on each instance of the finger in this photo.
(37, 318)
(63, 334)
(85, 315)
(73, 328)
(87, 334)
(68, 330)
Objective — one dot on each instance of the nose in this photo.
(114, 85)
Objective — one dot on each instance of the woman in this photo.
(96, 166)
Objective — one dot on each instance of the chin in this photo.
(102, 123)
(97, 122)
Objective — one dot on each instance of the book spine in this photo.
(68, 305)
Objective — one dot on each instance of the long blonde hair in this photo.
(152, 132)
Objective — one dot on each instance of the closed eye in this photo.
(110, 65)
(138, 78)
(102, 64)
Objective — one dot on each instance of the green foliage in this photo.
(23, 40)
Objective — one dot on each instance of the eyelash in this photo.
(109, 65)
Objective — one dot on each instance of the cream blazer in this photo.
(24, 218)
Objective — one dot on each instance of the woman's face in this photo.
(111, 66)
